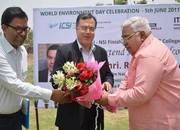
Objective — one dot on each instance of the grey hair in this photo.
(138, 24)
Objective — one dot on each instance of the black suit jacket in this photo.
(43, 75)
(71, 116)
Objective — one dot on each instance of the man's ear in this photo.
(3, 27)
(143, 35)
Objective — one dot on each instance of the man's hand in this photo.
(107, 87)
(60, 96)
(104, 99)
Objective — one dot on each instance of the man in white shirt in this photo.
(13, 69)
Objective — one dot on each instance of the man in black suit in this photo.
(44, 75)
(73, 116)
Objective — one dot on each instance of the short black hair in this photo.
(52, 47)
(84, 16)
(10, 13)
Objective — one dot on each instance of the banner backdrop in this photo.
(57, 26)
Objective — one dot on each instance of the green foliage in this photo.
(177, 1)
(29, 41)
(142, 2)
(30, 68)
(120, 2)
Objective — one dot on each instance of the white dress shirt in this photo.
(49, 75)
(87, 56)
(13, 70)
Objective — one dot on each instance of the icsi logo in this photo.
(65, 25)
(61, 25)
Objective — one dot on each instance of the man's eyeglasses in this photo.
(86, 28)
(124, 38)
(19, 29)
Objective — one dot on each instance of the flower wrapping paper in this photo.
(95, 89)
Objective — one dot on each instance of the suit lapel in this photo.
(77, 52)
(96, 54)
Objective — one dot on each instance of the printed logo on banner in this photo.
(53, 25)
(154, 26)
(176, 24)
(61, 25)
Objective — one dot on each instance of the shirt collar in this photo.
(93, 47)
(147, 41)
(8, 47)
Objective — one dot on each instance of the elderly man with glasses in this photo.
(151, 87)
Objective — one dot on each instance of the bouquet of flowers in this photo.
(81, 80)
